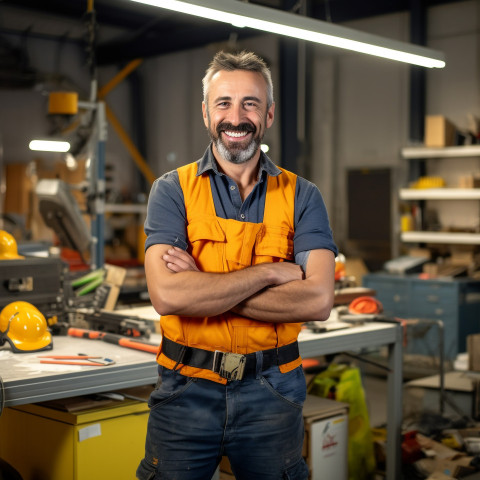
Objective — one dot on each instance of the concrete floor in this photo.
(375, 388)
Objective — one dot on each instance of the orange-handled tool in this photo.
(90, 360)
(113, 338)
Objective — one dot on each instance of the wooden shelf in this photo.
(441, 237)
(422, 154)
(445, 152)
(439, 193)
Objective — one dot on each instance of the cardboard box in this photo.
(325, 447)
(442, 461)
(439, 131)
(111, 285)
(466, 255)
(423, 394)
(18, 187)
(469, 181)
(355, 267)
(326, 438)
(473, 350)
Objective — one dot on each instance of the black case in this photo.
(39, 281)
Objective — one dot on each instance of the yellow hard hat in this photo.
(24, 327)
(8, 246)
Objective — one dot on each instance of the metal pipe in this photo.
(129, 145)
(120, 76)
(418, 29)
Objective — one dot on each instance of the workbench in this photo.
(26, 381)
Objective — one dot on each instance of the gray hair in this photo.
(238, 61)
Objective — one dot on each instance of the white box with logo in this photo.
(326, 438)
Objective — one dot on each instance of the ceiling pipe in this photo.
(418, 35)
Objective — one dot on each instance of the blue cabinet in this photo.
(454, 301)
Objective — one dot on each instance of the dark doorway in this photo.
(369, 215)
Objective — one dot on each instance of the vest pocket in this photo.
(275, 242)
(240, 247)
(205, 229)
(207, 241)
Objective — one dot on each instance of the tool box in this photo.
(37, 280)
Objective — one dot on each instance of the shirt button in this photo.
(232, 187)
(242, 216)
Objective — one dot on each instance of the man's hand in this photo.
(284, 272)
(178, 260)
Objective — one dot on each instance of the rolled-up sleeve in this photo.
(165, 221)
(312, 226)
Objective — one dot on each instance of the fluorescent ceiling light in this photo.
(244, 14)
(49, 146)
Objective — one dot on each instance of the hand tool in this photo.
(89, 360)
(113, 338)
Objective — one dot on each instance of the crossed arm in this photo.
(270, 292)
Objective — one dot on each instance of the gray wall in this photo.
(359, 104)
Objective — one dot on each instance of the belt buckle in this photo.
(232, 365)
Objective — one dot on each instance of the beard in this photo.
(236, 152)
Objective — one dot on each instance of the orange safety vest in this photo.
(225, 245)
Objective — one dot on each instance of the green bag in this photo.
(343, 383)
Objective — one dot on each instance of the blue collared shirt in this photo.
(166, 218)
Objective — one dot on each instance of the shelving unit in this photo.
(440, 194)
(441, 237)
(444, 152)
(422, 155)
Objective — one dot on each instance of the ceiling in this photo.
(128, 30)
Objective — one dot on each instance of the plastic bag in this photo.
(343, 383)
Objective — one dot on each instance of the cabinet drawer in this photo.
(434, 299)
(392, 293)
(395, 290)
(393, 309)
(435, 311)
(434, 292)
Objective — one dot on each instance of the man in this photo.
(238, 254)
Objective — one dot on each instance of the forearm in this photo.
(295, 302)
(176, 286)
(308, 299)
(206, 294)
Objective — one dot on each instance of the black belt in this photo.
(231, 366)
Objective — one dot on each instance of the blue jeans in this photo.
(256, 422)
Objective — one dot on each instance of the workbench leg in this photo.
(394, 407)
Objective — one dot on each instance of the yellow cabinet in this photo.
(43, 443)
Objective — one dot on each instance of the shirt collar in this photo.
(207, 162)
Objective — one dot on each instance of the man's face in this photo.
(236, 115)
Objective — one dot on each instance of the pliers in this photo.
(90, 360)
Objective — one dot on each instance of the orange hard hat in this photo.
(365, 304)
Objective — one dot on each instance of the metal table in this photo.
(368, 335)
(25, 380)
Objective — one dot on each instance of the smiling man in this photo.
(238, 143)
(239, 253)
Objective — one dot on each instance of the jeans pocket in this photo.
(145, 471)
(170, 385)
(299, 471)
(290, 386)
